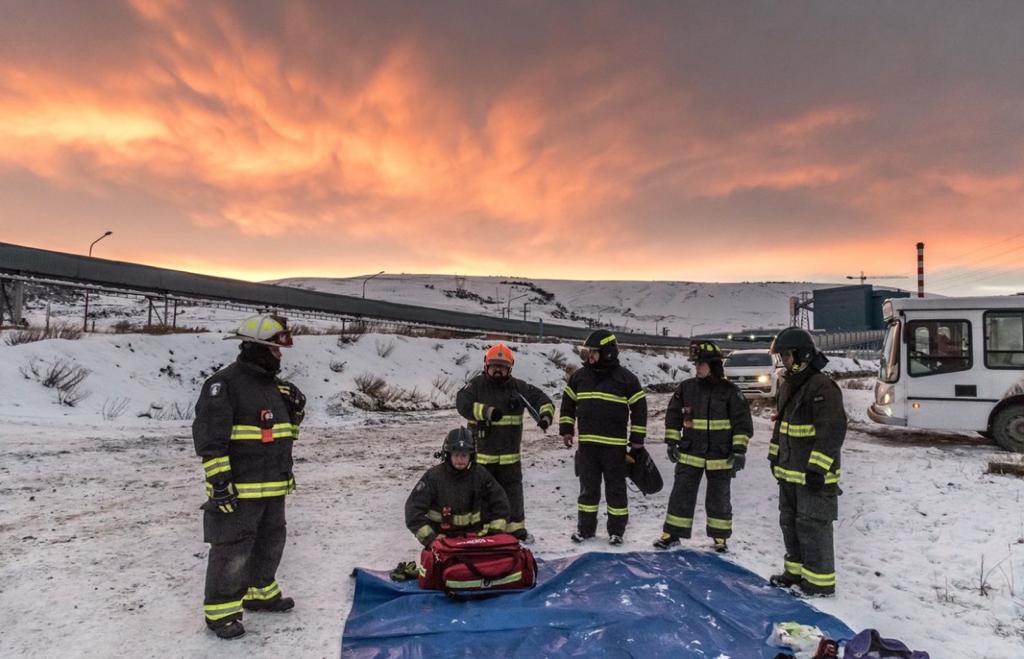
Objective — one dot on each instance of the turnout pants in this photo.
(683, 501)
(806, 520)
(595, 462)
(510, 477)
(245, 550)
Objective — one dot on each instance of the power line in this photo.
(968, 272)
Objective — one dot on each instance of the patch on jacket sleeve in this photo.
(819, 398)
(216, 389)
(420, 486)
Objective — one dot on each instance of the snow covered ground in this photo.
(101, 538)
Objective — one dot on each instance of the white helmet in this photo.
(266, 329)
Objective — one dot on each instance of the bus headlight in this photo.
(763, 379)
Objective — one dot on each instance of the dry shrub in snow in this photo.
(385, 348)
(175, 411)
(351, 333)
(368, 384)
(337, 366)
(32, 334)
(462, 359)
(558, 359)
(445, 385)
(62, 375)
(114, 407)
(375, 394)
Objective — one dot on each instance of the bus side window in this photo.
(939, 346)
(1004, 339)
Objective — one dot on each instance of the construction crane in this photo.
(862, 277)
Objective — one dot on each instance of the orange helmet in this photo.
(499, 355)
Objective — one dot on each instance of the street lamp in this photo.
(693, 327)
(85, 320)
(368, 279)
(97, 240)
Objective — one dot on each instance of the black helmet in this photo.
(603, 342)
(798, 342)
(704, 351)
(459, 440)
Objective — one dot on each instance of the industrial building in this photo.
(852, 308)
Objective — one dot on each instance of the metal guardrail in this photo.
(852, 339)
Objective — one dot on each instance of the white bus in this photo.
(954, 364)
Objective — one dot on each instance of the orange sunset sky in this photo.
(709, 141)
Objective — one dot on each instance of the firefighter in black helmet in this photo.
(246, 421)
(707, 428)
(607, 405)
(804, 454)
(456, 497)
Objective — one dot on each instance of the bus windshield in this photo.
(889, 365)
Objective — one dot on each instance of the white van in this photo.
(755, 372)
(954, 364)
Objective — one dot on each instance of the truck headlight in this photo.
(763, 379)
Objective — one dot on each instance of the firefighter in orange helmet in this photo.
(495, 403)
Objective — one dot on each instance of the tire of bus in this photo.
(1008, 428)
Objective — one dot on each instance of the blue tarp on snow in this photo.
(679, 603)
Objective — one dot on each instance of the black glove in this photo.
(494, 414)
(739, 461)
(672, 451)
(225, 497)
(544, 423)
(294, 399)
(814, 481)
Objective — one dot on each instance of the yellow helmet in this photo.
(266, 329)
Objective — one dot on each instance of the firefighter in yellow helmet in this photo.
(496, 404)
(246, 420)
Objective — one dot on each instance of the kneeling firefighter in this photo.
(707, 428)
(457, 497)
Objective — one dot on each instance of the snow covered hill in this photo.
(636, 306)
(649, 307)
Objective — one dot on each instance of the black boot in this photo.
(810, 590)
(229, 630)
(666, 541)
(276, 605)
(720, 545)
(784, 580)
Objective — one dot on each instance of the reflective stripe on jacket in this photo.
(446, 500)
(709, 422)
(809, 430)
(607, 406)
(243, 432)
(499, 442)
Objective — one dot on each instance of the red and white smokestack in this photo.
(920, 269)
